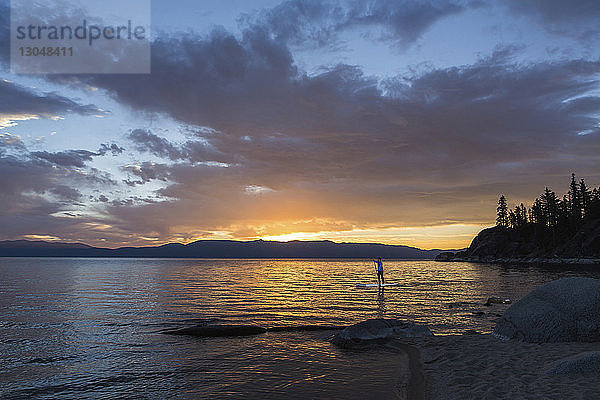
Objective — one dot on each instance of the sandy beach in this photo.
(483, 367)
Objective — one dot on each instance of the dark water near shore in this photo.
(88, 328)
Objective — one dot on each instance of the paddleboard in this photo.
(366, 285)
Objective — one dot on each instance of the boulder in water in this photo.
(564, 310)
(218, 330)
(580, 364)
(378, 330)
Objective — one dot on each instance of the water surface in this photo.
(89, 328)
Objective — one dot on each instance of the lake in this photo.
(90, 328)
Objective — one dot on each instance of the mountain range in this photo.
(220, 249)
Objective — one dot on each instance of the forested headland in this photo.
(551, 228)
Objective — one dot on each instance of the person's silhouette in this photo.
(379, 267)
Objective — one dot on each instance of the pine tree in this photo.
(512, 219)
(574, 200)
(584, 195)
(502, 219)
(521, 215)
(550, 207)
(536, 214)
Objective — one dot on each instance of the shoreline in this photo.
(525, 260)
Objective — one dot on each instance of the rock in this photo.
(496, 300)
(305, 328)
(378, 330)
(582, 363)
(564, 310)
(218, 330)
(445, 256)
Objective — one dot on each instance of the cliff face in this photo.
(531, 243)
(585, 243)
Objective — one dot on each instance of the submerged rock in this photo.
(496, 300)
(582, 363)
(564, 310)
(377, 330)
(218, 330)
(305, 328)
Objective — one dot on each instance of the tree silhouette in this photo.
(574, 200)
(551, 221)
(502, 210)
(550, 207)
(536, 214)
(584, 195)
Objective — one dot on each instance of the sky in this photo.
(397, 122)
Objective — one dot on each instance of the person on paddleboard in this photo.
(379, 268)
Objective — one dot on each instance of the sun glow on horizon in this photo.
(454, 236)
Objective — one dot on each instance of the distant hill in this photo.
(220, 249)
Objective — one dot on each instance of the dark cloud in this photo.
(69, 158)
(577, 18)
(76, 158)
(146, 141)
(113, 148)
(315, 23)
(66, 192)
(4, 32)
(16, 101)
(572, 11)
(147, 172)
(41, 190)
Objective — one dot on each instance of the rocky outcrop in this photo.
(580, 364)
(565, 310)
(217, 330)
(585, 243)
(532, 244)
(373, 331)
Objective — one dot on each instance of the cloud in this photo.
(70, 158)
(278, 151)
(146, 141)
(113, 148)
(315, 23)
(18, 103)
(147, 172)
(76, 158)
(577, 18)
(41, 191)
(345, 147)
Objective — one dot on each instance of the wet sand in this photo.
(483, 367)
